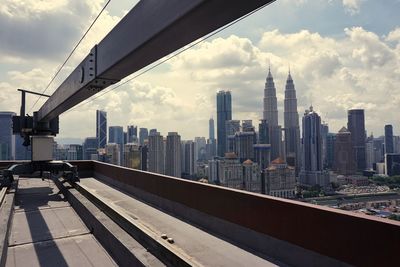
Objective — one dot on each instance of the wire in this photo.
(169, 58)
(70, 54)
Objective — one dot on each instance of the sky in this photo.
(342, 54)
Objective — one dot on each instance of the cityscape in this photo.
(345, 169)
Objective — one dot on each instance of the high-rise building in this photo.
(90, 147)
(144, 154)
(173, 155)
(152, 131)
(200, 149)
(344, 154)
(224, 113)
(156, 153)
(211, 146)
(188, 158)
(247, 126)
(244, 145)
(262, 155)
(101, 128)
(230, 171)
(132, 156)
(143, 135)
(116, 135)
(356, 125)
(7, 139)
(291, 124)
(392, 164)
(270, 114)
(324, 135)
(280, 179)
(231, 127)
(113, 153)
(211, 132)
(263, 132)
(389, 148)
(330, 149)
(370, 152)
(251, 176)
(132, 133)
(312, 172)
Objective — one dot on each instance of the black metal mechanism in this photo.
(150, 31)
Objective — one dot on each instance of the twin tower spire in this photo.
(290, 148)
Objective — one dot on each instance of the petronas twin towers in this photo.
(290, 148)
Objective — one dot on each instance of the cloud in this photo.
(352, 6)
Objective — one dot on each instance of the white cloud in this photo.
(352, 6)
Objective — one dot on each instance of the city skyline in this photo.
(347, 64)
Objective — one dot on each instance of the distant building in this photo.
(369, 153)
(144, 154)
(156, 153)
(173, 155)
(356, 125)
(132, 156)
(116, 135)
(132, 134)
(188, 158)
(231, 127)
(324, 136)
(244, 145)
(89, 147)
(330, 150)
(392, 164)
(262, 155)
(389, 147)
(224, 113)
(7, 139)
(143, 135)
(291, 124)
(251, 176)
(247, 126)
(200, 149)
(344, 154)
(211, 147)
(280, 179)
(230, 171)
(113, 153)
(101, 128)
(312, 172)
(263, 132)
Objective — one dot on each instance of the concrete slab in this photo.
(203, 247)
(47, 224)
(77, 251)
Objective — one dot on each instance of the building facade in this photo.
(389, 147)
(356, 125)
(280, 179)
(101, 128)
(156, 153)
(345, 163)
(173, 155)
(224, 113)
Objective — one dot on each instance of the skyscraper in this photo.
(143, 135)
(211, 146)
(244, 145)
(224, 113)
(173, 155)
(132, 156)
(356, 125)
(344, 154)
(131, 133)
(231, 127)
(291, 123)
(90, 147)
(116, 135)
(156, 153)
(312, 170)
(270, 114)
(263, 132)
(211, 134)
(7, 139)
(389, 148)
(101, 128)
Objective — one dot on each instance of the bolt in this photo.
(164, 236)
(170, 240)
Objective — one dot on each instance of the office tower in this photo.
(262, 155)
(244, 145)
(156, 153)
(231, 127)
(247, 126)
(324, 134)
(74, 152)
(369, 152)
(132, 156)
(251, 176)
(330, 149)
(344, 158)
(379, 149)
(125, 138)
(280, 179)
(311, 168)
(143, 135)
(113, 153)
(116, 135)
(356, 125)
(396, 144)
(188, 158)
(263, 132)
(144, 154)
(200, 149)
(212, 171)
(152, 131)
(101, 128)
(7, 139)
(173, 155)
(270, 114)
(291, 124)
(392, 164)
(132, 134)
(389, 148)
(211, 147)
(90, 147)
(224, 113)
